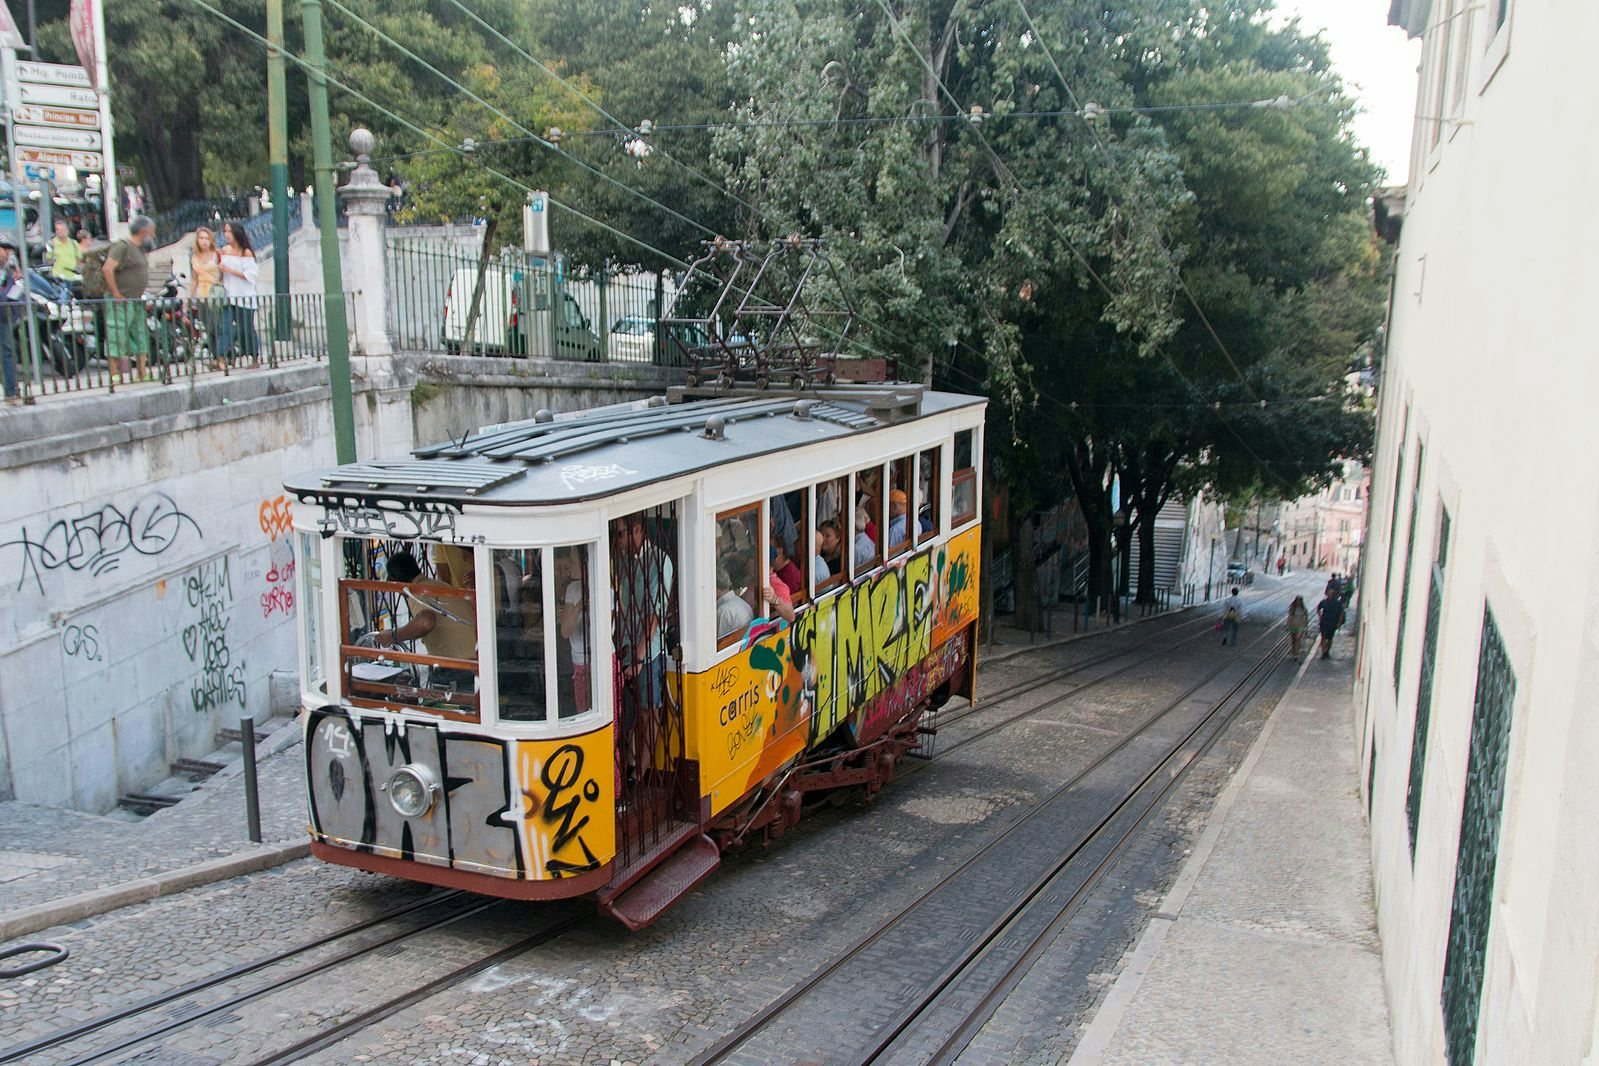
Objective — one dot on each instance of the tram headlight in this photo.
(412, 790)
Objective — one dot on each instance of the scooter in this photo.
(65, 330)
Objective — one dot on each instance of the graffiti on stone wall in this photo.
(97, 542)
(275, 519)
(535, 809)
(82, 642)
(382, 517)
(279, 595)
(209, 592)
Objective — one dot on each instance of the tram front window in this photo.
(533, 586)
(408, 616)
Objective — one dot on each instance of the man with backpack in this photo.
(123, 276)
(1232, 616)
(1330, 616)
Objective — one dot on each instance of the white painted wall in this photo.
(1492, 352)
(143, 567)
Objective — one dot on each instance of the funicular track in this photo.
(178, 1008)
(168, 1012)
(909, 980)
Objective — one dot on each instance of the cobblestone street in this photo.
(598, 994)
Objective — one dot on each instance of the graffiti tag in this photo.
(209, 590)
(367, 521)
(275, 517)
(82, 642)
(100, 540)
(565, 795)
(279, 596)
(576, 475)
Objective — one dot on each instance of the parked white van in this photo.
(514, 316)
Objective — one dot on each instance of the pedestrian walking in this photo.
(1329, 617)
(1281, 562)
(239, 271)
(1232, 616)
(127, 275)
(1298, 622)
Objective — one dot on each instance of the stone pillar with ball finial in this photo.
(365, 200)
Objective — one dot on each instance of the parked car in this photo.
(1238, 573)
(633, 339)
(513, 316)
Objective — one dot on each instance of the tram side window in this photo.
(830, 530)
(574, 628)
(868, 527)
(963, 489)
(408, 618)
(929, 496)
(898, 539)
(519, 633)
(785, 539)
(738, 572)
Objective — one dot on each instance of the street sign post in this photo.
(59, 96)
(71, 118)
(51, 137)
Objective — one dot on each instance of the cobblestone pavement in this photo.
(599, 994)
(85, 851)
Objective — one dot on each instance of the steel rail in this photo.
(83, 1029)
(1021, 688)
(761, 1019)
(1174, 775)
(373, 1015)
(187, 1019)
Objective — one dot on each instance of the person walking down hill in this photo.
(1232, 616)
(239, 271)
(1330, 616)
(1298, 622)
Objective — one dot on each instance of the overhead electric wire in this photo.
(643, 245)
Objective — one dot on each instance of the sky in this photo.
(1378, 64)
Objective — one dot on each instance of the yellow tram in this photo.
(582, 656)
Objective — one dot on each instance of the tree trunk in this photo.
(1146, 563)
(1088, 471)
(1024, 571)
(477, 289)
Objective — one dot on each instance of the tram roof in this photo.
(585, 455)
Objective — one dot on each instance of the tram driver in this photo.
(446, 624)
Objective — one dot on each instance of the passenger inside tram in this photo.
(441, 616)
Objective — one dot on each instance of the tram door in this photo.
(645, 594)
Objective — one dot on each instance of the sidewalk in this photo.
(59, 865)
(1265, 950)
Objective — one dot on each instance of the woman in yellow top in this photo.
(205, 265)
(205, 276)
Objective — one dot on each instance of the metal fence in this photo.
(83, 345)
(446, 296)
(191, 213)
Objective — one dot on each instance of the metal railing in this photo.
(175, 221)
(85, 345)
(445, 296)
(259, 227)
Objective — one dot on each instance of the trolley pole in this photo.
(278, 159)
(327, 220)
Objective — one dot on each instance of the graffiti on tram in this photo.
(860, 656)
(528, 809)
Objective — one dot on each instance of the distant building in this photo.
(1479, 621)
(1324, 531)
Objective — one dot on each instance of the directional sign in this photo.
(53, 74)
(59, 96)
(50, 137)
(51, 157)
(71, 118)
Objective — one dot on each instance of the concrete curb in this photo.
(114, 897)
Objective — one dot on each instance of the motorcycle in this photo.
(177, 334)
(65, 329)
